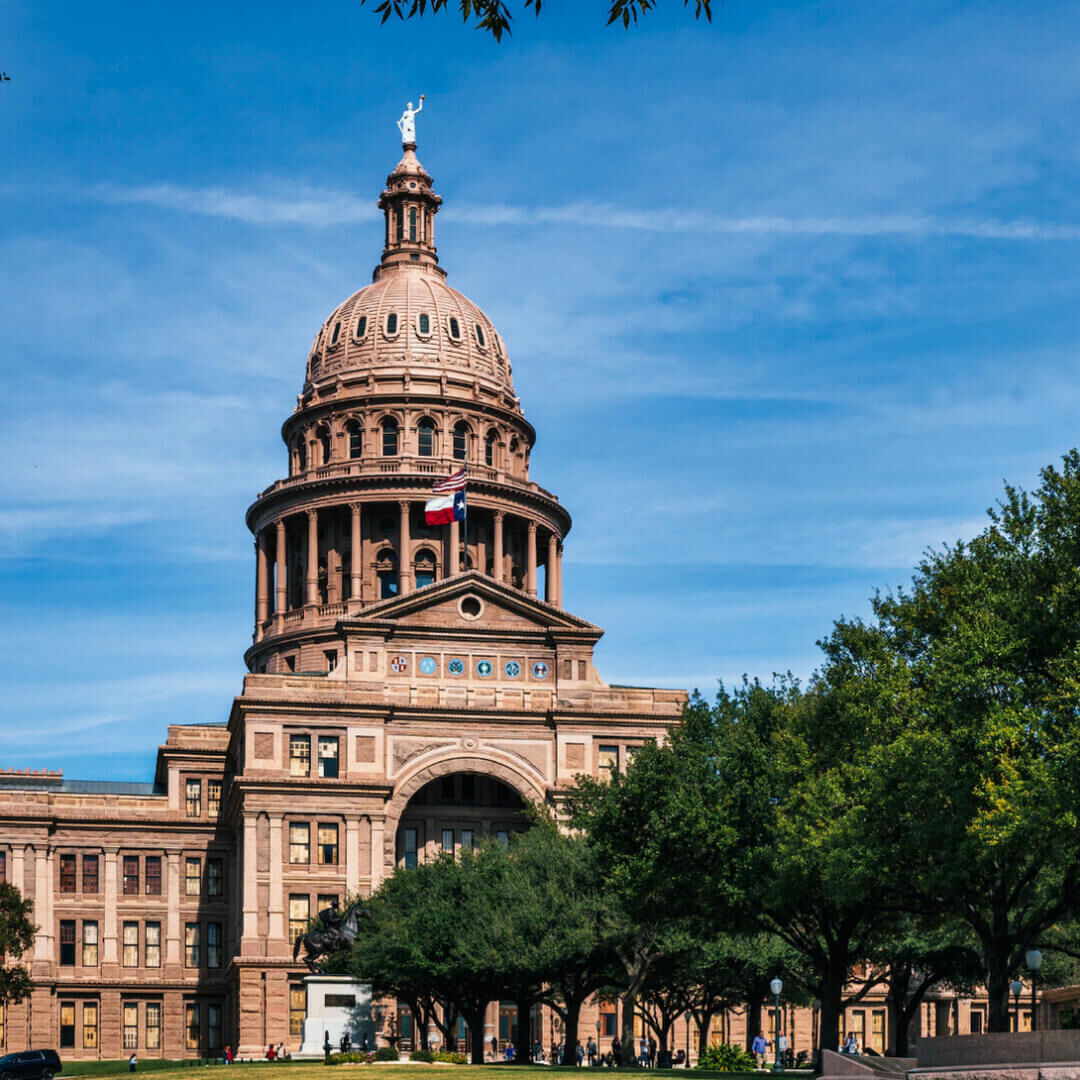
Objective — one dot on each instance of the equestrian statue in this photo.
(337, 930)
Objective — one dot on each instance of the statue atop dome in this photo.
(407, 124)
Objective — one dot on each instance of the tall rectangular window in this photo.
(131, 944)
(153, 1025)
(325, 900)
(608, 760)
(67, 950)
(328, 846)
(152, 942)
(448, 841)
(213, 1026)
(193, 798)
(214, 948)
(89, 944)
(191, 944)
(192, 877)
(90, 1025)
(131, 875)
(328, 757)
(410, 849)
(67, 873)
(3, 866)
(299, 843)
(131, 1025)
(67, 1025)
(297, 1009)
(191, 1025)
(503, 837)
(153, 875)
(215, 877)
(299, 915)
(213, 797)
(299, 755)
(466, 839)
(89, 875)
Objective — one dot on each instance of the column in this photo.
(497, 558)
(453, 563)
(377, 854)
(43, 898)
(356, 554)
(172, 924)
(108, 931)
(313, 556)
(250, 891)
(551, 574)
(404, 552)
(262, 595)
(277, 895)
(281, 573)
(530, 584)
(558, 577)
(352, 855)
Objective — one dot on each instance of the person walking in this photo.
(327, 1046)
(590, 1052)
(643, 1053)
(132, 1063)
(760, 1049)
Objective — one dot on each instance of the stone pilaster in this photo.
(404, 552)
(551, 573)
(281, 572)
(497, 556)
(313, 557)
(530, 583)
(356, 554)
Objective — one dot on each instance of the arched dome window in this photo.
(455, 328)
(425, 437)
(391, 324)
(336, 334)
(361, 328)
(356, 438)
(389, 437)
(480, 339)
(301, 456)
(489, 448)
(423, 324)
(461, 440)
(412, 224)
(325, 445)
(424, 568)
(386, 573)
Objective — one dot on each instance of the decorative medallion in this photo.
(483, 668)
(456, 666)
(512, 669)
(540, 670)
(399, 664)
(428, 666)
(469, 743)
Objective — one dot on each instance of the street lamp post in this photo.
(1033, 958)
(688, 1038)
(776, 986)
(1016, 986)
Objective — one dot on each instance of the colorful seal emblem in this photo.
(483, 668)
(399, 664)
(540, 670)
(456, 666)
(428, 666)
(512, 669)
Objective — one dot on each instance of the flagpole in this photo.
(465, 531)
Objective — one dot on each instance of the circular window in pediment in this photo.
(470, 607)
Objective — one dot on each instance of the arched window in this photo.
(425, 437)
(391, 323)
(480, 339)
(301, 456)
(386, 573)
(455, 329)
(424, 324)
(389, 437)
(489, 448)
(424, 568)
(461, 439)
(336, 334)
(356, 438)
(361, 328)
(412, 223)
(325, 445)
(400, 215)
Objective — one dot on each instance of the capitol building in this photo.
(408, 688)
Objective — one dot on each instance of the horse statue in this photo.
(335, 932)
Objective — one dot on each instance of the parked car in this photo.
(30, 1065)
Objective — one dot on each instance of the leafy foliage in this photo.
(386, 1053)
(724, 1057)
(16, 937)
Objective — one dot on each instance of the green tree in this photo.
(16, 937)
(493, 16)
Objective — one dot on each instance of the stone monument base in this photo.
(1019, 1055)
(336, 1004)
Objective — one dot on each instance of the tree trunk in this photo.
(628, 1057)
(522, 1042)
(570, 1024)
(704, 1022)
(997, 990)
(475, 1020)
(753, 1022)
(832, 1010)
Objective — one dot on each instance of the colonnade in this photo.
(271, 558)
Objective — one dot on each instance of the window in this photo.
(3, 866)
(191, 1025)
(503, 837)
(215, 877)
(425, 568)
(412, 224)
(153, 875)
(410, 849)
(131, 944)
(152, 944)
(89, 874)
(361, 328)
(89, 944)
(489, 449)
(389, 437)
(299, 916)
(391, 323)
(193, 798)
(466, 839)
(336, 334)
(326, 899)
(67, 873)
(213, 1026)
(213, 797)
(425, 438)
(608, 1020)
(328, 756)
(297, 1009)
(461, 439)
(455, 329)
(214, 944)
(328, 846)
(325, 446)
(425, 324)
(399, 226)
(448, 840)
(131, 1025)
(330, 656)
(131, 875)
(299, 755)
(192, 877)
(608, 760)
(67, 1025)
(299, 843)
(191, 944)
(153, 1025)
(356, 439)
(90, 1025)
(480, 339)
(976, 1021)
(67, 948)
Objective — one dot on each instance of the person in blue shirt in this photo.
(760, 1047)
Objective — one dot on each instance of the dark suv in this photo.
(30, 1065)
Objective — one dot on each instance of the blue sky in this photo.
(787, 299)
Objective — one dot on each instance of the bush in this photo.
(352, 1058)
(386, 1053)
(453, 1057)
(727, 1058)
(421, 1055)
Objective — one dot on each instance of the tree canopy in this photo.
(16, 937)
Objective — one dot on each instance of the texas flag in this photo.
(445, 508)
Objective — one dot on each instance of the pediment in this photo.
(473, 601)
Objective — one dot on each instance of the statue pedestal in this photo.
(336, 1004)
